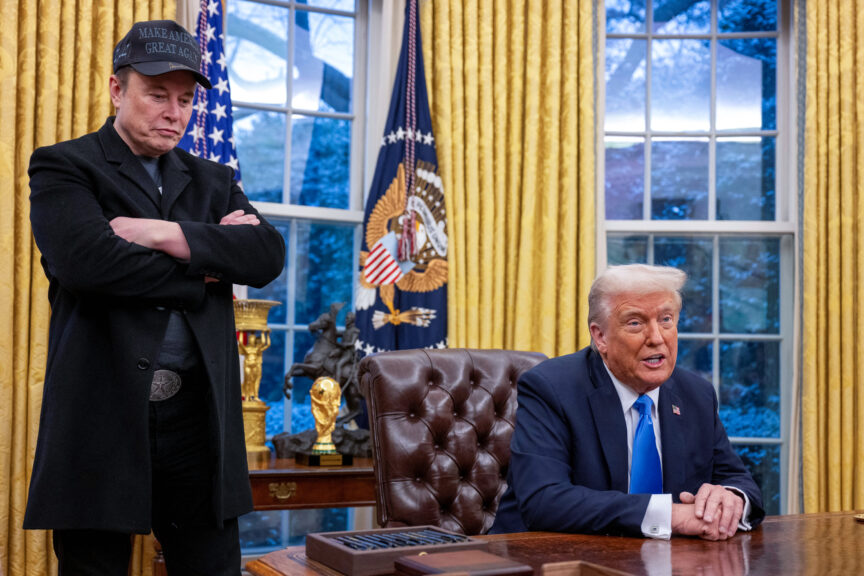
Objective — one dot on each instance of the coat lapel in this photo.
(609, 421)
(118, 154)
(672, 434)
(175, 179)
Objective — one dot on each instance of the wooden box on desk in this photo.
(471, 562)
(324, 547)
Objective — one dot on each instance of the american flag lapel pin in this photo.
(676, 410)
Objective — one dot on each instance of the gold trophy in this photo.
(325, 395)
(253, 337)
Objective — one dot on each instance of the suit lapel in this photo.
(609, 421)
(672, 433)
(175, 178)
(128, 166)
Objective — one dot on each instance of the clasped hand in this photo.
(713, 513)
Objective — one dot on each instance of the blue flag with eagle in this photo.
(210, 134)
(402, 289)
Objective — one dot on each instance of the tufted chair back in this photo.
(441, 422)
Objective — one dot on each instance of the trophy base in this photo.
(332, 459)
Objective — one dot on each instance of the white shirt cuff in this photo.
(744, 523)
(657, 522)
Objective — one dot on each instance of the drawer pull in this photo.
(283, 490)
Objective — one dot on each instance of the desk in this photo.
(788, 545)
(285, 485)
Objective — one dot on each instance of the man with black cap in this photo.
(141, 425)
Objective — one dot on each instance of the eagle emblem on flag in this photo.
(426, 270)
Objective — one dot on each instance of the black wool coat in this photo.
(110, 304)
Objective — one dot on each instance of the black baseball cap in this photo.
(160, 46)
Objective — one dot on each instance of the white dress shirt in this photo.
(657, 522)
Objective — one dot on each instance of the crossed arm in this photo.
(168, 237)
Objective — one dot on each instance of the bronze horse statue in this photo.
(333, 354)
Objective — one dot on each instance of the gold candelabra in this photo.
(253, 337)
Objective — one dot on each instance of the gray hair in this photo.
(639, 279)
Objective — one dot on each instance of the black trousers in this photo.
(183, 466)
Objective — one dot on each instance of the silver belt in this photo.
(166, 383)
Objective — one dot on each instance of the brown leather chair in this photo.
(441, 422)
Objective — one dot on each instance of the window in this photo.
(695, 136)
(297, 71)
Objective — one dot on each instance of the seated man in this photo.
(615, 440)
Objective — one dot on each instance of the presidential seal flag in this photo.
(210, 133)
(402, 286)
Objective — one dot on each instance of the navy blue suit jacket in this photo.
(568, 466)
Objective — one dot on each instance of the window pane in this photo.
(750, 388)
(747, 84)
(302, 522)
(625, 85)
(626, 250)
(677, 17)
(764, 464)
(301, 405)
(746, 178)
(320, 162)
(325, 257)
(625, 178)
(256, 49)
(679, 179)
(260, 138)
(323, 62)
(261, 529)
(750, 285)
(347, 5)
(680, 85)
(747, 15)
(623, 16)
(697, 356)
(278, 288)
(693, 256)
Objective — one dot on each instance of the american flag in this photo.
(209, 133)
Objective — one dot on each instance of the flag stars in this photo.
(216, 135)
(197, 132)
(219, 112)
(391, 138)
(212, 7)
(428, 139)
(214, 157)
(400, 134)
(207, 57)
(233, 163)
(200, 106)
(221, 61)
(221, 86)
(210, 33)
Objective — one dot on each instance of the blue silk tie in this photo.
(646, 476)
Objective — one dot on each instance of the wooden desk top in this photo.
(787, 545)
(282, 484)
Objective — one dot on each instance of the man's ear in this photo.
(114, 90)
(599, 337)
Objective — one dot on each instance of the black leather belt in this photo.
(166, 383)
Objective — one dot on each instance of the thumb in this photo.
(687, 498)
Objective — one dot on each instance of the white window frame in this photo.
(785, 225)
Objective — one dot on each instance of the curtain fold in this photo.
(832, 400)
(55, 60)
(512, 103)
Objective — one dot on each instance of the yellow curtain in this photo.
(512, 101)
(832, 399)
(55, 60)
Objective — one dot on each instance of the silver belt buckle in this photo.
(166, 383)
